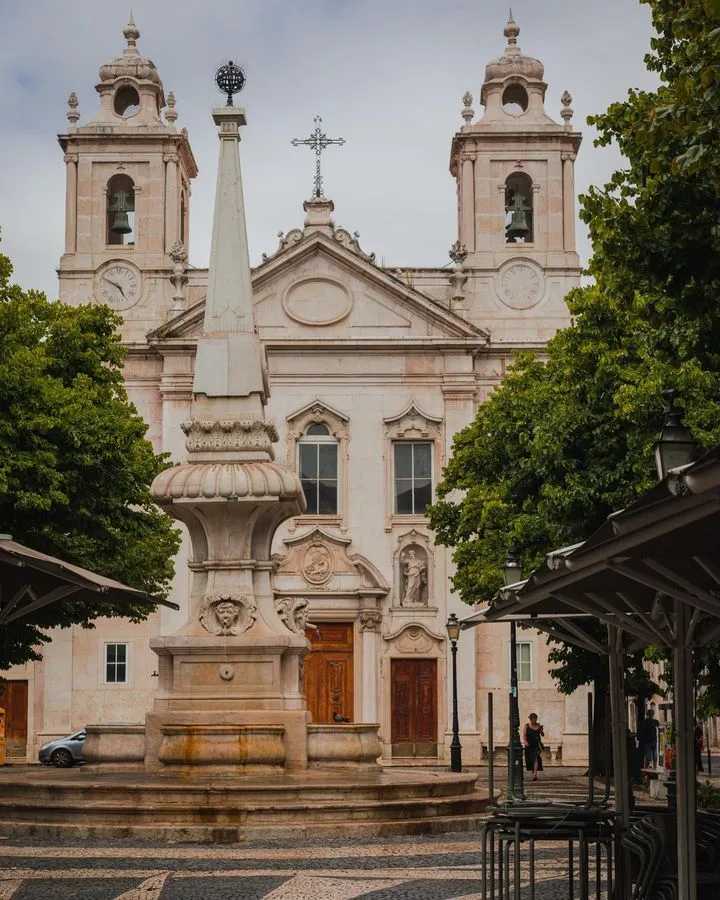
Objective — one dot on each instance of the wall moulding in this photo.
(414, 639)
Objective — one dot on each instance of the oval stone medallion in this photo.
(317, 301)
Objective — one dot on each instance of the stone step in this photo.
(218, 834)
(229, 794)
(60, 810)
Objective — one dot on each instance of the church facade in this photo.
(372, 371)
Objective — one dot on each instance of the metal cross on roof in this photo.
(319, 141)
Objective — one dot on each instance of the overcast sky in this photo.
(387, 75)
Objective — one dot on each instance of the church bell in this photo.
(518, 227)
(120, 222)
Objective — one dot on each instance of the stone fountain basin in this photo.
(354, 746)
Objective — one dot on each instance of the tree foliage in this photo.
(75, 467)
(567, 438)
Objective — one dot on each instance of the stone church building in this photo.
(372, 371)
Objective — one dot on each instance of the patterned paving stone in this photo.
(73, 889)
(443, 867)
(227, 888)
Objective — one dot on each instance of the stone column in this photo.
(568, 172)
(71, 180)
(172, 201)
(369, 625)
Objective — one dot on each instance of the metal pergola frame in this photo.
(30, 580)
(651, 572)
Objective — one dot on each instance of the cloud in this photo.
(387, 76)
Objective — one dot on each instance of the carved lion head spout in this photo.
(294, 613)
(226, 614)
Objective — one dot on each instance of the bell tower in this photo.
(127, 195)
(514, 169)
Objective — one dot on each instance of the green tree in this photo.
(567, 438)
(75, 467)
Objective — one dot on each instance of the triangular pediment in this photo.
(317, 289)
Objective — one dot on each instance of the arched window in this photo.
(519, 224)
(515, 100)
(121, 210)
(126, 102)
(318, 466)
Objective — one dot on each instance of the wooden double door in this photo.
(329, 672)
(413, 706)
(14, 700)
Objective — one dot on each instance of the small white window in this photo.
(116, 663)
(524, 661)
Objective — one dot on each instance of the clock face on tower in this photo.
(118, 284)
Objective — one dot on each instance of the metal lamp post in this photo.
(512, 573)
(675, 445)
(453, 630)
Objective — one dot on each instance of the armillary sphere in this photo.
(230, 80)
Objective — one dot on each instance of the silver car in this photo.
(64, 752)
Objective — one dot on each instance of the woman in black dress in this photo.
(532, 742)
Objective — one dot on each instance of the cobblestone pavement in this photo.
(428, 868)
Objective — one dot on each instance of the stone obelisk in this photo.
(229, 692)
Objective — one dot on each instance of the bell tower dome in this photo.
(514, 169)
(127, 194)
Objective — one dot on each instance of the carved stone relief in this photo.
(412, 422)
(414, 639)
(229, 434)
(317, 563)
(294, 612)
(227, 614)
(370, 619)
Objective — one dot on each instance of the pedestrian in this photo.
(649, 739)
(532, 736)
(699, 744)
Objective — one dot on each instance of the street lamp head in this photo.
(453, 627)
(512, 568)
(675, 445)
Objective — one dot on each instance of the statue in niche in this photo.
(414, 570)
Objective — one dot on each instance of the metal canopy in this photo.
(30, 580)
(651, 571)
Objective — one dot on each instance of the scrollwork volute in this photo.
(227, 614)
(293, 612)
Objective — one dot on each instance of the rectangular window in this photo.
(319, 477)
(413, 477)
(524, 661)
(116, 663)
